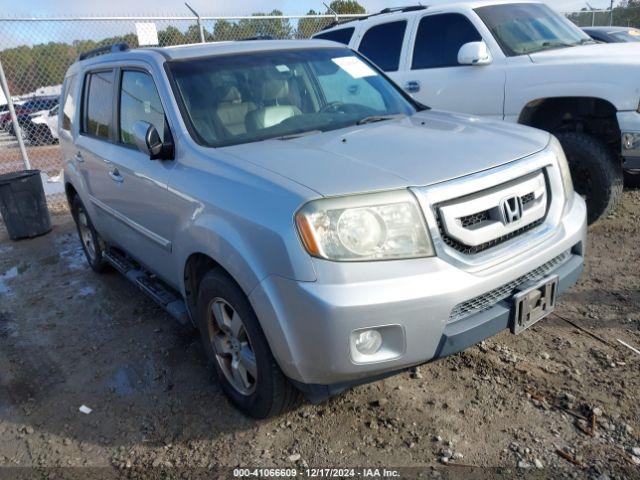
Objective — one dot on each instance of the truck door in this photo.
(433, 76)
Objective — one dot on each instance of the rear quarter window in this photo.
(69, 103)
(342, 35)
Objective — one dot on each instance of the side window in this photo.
(98, 105)
(139, 101)
(439, 39)
(339, 86)
(69, 105)
(341, 36)
(382, 44)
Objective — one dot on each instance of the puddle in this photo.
(86, 291)
(129, 380)
(8, 275)
(70, 251)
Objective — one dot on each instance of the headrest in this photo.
(274, 89)
(228, 94)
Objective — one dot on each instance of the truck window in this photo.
(139, 101)
(342, 35)
(439, 39)
(69, 105)
(98, 105)
(382, 44)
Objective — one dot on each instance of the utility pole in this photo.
(611, 14)
(14, 119)
(200, 27)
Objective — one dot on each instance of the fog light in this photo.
(628, 141)
(368, 342)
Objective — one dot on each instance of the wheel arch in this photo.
(591, 115)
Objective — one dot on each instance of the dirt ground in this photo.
(555, 400)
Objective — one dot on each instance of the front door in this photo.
(139, 186)
(433, 76)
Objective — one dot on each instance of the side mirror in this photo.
(474, 53)
(147, 139)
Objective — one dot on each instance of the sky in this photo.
(12, 8)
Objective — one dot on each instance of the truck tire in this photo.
(597, 174)
(89, 238)
(239, 351)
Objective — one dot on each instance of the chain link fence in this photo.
(621, 17)
(36, 53)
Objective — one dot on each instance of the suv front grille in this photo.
(487, 300)
(466, 249)
(468, 230)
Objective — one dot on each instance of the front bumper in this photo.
(630, 128)
(309, 324)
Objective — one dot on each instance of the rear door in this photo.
(383, 41)
(94, 146)
(433, 76)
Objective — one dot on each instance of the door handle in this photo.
(412, 86)
(79, 157)
(115, 176)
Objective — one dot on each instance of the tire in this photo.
(597, 173)
(268, 393)
(92, 246)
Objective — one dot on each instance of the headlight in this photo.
(563, 165)
(378, 226)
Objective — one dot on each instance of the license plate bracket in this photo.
(533, 302)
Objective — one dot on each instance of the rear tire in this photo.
(89, 238)
(260, 390)
(597, 173)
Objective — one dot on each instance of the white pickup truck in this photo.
(520, 62)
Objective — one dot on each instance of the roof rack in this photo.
(258, 37)
(115, 48)
(410, 8)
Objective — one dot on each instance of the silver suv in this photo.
(319, 227)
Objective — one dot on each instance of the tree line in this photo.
(28, 67)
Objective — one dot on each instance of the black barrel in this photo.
(23, 204)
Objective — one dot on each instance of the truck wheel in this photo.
(597, 174)
(89, 238)
(239, 351)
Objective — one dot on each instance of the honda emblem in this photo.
(511, 209)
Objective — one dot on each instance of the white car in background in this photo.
(518, 62)
(44, 127)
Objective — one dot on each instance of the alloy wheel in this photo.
(232, 346)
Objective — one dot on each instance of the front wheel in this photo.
(597, 173)
(239, 351)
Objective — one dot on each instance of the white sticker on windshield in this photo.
(282, 68)
(354, 67)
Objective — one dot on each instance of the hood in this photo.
(607, 53)
(424, 149)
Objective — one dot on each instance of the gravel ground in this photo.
(556, 400)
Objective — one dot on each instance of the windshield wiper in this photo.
(291, 136)
(378, 118)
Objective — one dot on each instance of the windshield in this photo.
(233, 99)
(627, 35)
(521, 28)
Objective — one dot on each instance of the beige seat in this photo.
(231, 110)
(274, 96)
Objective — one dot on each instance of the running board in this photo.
(161, 293)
